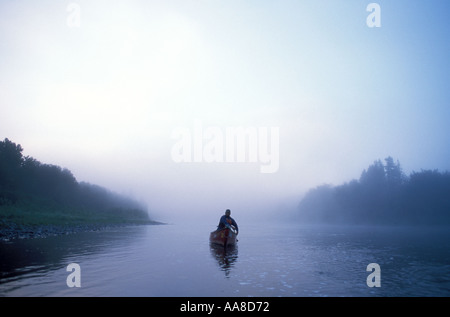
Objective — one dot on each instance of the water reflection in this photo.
(24, 258)
(225, 257)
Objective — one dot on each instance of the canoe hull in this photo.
(224, 237)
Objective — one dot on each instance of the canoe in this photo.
(224, 237)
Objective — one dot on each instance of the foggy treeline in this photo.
(30, 184)
(382, 195)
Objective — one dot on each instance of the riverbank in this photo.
(13, 231)
(33, 219)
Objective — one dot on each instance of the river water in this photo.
(284, 260)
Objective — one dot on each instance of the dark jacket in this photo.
(227, 220)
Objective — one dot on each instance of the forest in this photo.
(34, 193)
(382, 195)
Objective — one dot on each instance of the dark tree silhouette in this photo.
(10, 165)
(382, 195)
(27, 182)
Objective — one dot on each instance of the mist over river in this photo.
(287, 260)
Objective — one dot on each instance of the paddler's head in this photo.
(227, 212)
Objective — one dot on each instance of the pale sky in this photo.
(99, 87)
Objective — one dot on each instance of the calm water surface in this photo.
(270, 260)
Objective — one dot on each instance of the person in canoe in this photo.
(227, 222)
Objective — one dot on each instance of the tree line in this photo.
(32, 185)
(384, 194)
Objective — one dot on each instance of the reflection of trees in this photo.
(225, 257)
(383, 194)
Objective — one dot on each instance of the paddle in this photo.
(232, 229)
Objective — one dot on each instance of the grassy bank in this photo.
(30, 214)
(31, 219)
(43, 198)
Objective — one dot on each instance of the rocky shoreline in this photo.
(13, 231)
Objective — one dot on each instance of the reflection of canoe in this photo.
(225, 257)
(223, 237)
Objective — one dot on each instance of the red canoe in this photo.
(224, 237)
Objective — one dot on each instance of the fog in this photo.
(143, 97)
